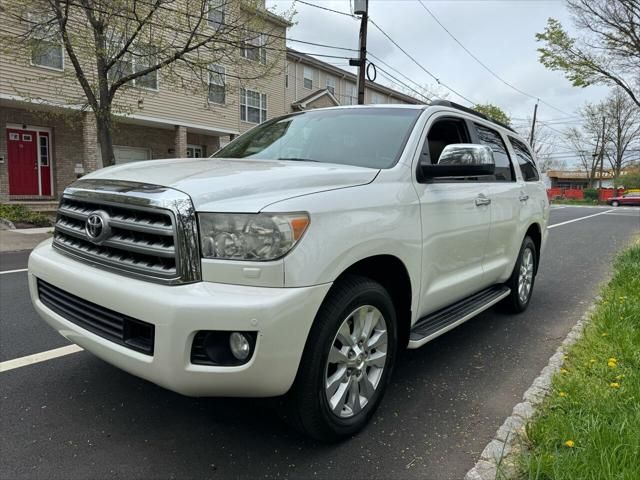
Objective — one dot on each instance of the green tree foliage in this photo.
(606, 50)
(493, 112)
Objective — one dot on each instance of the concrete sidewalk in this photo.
(23, 238)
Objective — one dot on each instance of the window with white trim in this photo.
(46, 46)
(216, 13)
(376, 98)
(308, 77)
(44, 150)
(138, 59)
(217, 89)
(331, 85)
(351, 94)
(253, 106)
(254, 48)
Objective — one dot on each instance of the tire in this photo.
(615, 203)
(516, 302)
(310, 407)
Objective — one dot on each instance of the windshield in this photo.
(365, 137)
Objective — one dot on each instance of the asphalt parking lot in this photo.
(77, 417)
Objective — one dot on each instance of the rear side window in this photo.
(492, 139)
(525, 160)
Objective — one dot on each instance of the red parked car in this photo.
(626, 199)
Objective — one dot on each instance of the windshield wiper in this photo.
(296, 159)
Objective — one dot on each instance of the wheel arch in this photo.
(535, 232)
(393, 275)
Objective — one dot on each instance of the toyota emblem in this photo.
(97, 227)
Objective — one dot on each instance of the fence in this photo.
(576, 194)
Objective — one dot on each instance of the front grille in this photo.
(141, 240)
(113, 326)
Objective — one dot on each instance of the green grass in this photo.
(21, 214)
(595, 400)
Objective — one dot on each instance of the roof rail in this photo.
(457, 106)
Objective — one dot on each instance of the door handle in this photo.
(482, 200)
(524, 197)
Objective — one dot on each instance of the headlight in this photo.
(257, 237)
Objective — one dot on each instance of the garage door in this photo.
(130, 154)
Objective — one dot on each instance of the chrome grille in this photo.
(150, 231)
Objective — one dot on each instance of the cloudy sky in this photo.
(501, 33)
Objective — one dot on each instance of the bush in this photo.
(590, 194)
(21, 214)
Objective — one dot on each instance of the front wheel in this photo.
(522, 278)
(615, 203)
(347, 362)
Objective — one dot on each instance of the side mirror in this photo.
(461, 160)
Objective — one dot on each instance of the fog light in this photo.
(240, 346)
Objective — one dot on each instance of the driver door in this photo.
(456, 221)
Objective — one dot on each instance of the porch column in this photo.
(90, 147)
(181, 141)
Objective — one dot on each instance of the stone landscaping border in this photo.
(499, 457)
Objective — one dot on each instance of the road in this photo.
(77, 417)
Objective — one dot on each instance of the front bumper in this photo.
(281, 316)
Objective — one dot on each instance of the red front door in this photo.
(22, 149)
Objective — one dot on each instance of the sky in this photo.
(500, 33)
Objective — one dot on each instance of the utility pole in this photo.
(602, 154)
(533, 124)
(361, 7)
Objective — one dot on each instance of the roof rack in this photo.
(457, 106)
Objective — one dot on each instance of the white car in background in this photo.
(300, 258)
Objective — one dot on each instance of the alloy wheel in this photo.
(525, 277)
(356, 361)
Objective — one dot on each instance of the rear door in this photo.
(504, 193)
(455, 223)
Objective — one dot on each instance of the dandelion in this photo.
(612, 360)
(563, 394)
(614, 385)
(570, 443)
(612, 364)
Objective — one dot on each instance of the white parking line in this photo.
(578, 219)
(13, 271)
(38, 357)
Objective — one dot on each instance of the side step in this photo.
(443, 320)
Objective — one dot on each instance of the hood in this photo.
(239, 185)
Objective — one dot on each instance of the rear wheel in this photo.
(522, 278)
(615, 203)
(347, 362)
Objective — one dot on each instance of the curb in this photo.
(6, 224)
(499, 457)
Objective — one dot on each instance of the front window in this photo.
(254, 48)
(215, 15)
(217, 90)
(137, 60)
(376, 98)
(351, 94)
(253, 106)
(46, 47)
(308, 77)
(331, 85)
(365, 137)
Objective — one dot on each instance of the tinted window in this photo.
(445, 132)
(525, 160)
(492, 139)
(366, 137)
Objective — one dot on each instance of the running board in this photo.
(445, 319)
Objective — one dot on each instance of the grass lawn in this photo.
(589, 427)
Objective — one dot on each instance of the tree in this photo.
(607, 50)
(493, 112)
(623, 137)
(117, 45)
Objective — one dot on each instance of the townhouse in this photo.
(48, 141)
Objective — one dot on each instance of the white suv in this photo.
(299, 259)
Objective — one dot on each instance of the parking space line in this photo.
(13, 271)
(38, 357)
(578, 219)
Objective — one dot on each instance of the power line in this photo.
(522, 92)
(396, 71)
(400, 82)
(326, 8)
(418, 63)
